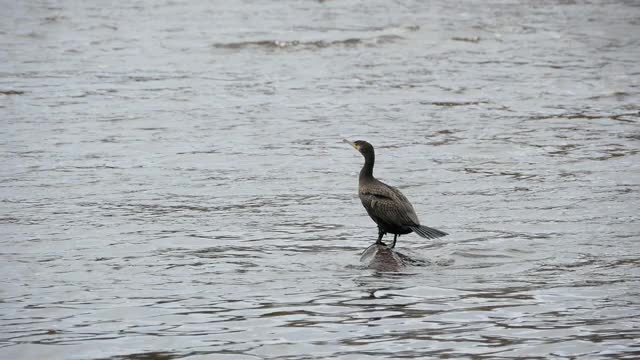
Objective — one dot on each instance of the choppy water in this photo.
(174, 184)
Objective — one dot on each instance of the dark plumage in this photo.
(386, 205)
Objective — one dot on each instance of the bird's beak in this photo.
(350, 143)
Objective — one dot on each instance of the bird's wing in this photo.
(389, 205)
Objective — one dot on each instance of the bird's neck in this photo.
(367, 170)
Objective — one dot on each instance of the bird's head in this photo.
(362, 146)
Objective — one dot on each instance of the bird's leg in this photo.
(395, 237)
(380, 235)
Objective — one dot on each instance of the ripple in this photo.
(454, 103)
(316, 44)
(623, 117)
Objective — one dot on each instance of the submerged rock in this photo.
(382, 258)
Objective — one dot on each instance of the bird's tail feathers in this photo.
(427, 232)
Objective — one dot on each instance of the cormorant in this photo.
(386, 205)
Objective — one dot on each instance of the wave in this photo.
(389, 35)
(318, 44)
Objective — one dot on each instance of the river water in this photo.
(174, 182)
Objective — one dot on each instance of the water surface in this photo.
(174, 182)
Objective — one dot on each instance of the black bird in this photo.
(386, 205)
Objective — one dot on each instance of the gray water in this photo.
(174, 182)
